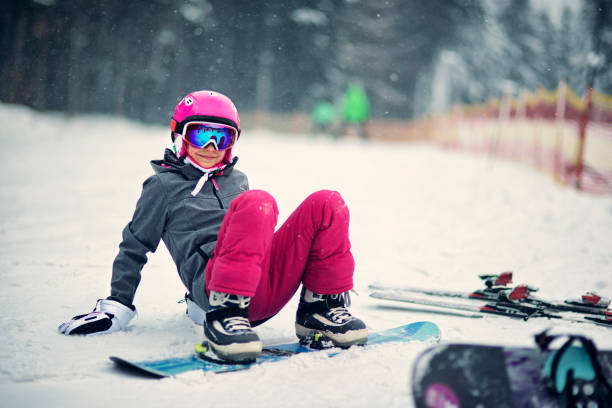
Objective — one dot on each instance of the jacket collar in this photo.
(171, 163)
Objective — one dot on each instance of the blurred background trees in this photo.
(136, 57)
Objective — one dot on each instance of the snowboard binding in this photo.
(317, 341)
(205, 352)
(575, 372)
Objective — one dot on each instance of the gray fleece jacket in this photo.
(188, 224)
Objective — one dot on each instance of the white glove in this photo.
(108, 316)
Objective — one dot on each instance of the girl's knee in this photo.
(328, 199)
(260, 198)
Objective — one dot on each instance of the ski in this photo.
(496, 290)
(603, 321)
(516, 310)
(494, 284)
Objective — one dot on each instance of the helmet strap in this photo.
(177, 145)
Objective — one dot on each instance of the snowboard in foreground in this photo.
(418, 331)
(466, 375)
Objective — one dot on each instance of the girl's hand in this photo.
(108, 316)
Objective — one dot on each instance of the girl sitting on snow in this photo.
(239, 272)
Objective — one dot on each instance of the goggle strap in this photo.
(205, 118)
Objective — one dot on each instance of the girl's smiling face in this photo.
(207, 156)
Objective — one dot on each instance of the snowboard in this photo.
(418, 331)
(467, 375)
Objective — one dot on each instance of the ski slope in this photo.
(420, 216)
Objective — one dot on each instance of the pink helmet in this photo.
(209, 106)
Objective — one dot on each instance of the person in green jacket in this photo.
(323, 115)
(355, 109)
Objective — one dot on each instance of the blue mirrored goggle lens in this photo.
(199, 135)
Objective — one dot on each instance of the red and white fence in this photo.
(555, 131)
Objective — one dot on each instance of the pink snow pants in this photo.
(311, 247)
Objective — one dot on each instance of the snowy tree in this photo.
(135, 58)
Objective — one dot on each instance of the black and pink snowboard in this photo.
(465, 375)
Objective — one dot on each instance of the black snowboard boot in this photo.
(329, 316)
(227, 329)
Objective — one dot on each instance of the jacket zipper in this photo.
(214, 189)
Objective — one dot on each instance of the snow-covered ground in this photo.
(421, 216)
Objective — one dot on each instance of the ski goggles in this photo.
(201, 134)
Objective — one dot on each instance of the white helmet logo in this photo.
(188, 101)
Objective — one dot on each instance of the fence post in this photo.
(584, 120)
(521, 121)
(560, 124)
